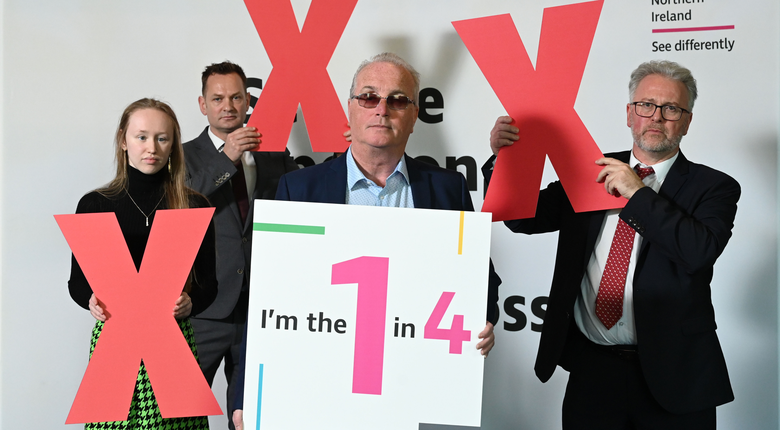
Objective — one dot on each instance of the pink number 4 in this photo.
(455, 334)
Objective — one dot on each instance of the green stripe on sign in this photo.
(288, 228)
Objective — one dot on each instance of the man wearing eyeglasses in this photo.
(375, 171)
(630, 315)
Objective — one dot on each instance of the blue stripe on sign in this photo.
(259, 396)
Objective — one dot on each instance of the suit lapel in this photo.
(419, 181)
(675, 179)
(336, 181)
(203, 143)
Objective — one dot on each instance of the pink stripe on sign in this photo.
(370, 273)
(684, 29)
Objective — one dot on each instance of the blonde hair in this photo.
(176, 191)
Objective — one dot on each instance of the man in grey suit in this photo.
(222, 164)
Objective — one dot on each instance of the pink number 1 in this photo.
(370, 273)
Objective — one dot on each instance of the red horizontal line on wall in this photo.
(678, 30)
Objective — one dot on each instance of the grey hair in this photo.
(389, 57)
(668, 69)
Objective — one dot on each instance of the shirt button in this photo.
(620, 324)
(244, 240)
(240, 271)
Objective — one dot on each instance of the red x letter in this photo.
(141, 325)
(299, 74)
(541, 102)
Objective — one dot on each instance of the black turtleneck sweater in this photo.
(147, 191)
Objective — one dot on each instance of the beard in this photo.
(663, 146)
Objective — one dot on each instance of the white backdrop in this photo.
(70, 68)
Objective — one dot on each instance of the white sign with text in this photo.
(365, 317)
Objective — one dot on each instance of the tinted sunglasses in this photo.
(371, 100)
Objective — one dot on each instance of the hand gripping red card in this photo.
(300, 75)
(541, 102)
(141, 325)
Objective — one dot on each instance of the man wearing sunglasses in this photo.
(375, 171)
(630, 315)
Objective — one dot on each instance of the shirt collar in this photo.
(354, 175)
(218, 143)
(661, 169)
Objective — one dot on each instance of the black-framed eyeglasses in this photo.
(668, 112)
(371, 100)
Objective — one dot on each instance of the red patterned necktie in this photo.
(609, 302)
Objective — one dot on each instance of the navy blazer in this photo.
(685, 227)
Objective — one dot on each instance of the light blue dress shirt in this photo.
(364, 192)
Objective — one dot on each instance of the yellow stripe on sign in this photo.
(460, 233)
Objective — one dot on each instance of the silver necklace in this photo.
(139, 208)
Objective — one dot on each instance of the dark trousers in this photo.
(607, 391)
(221, 339)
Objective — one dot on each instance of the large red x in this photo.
(299, 73)
(141, 325)
(541, 102)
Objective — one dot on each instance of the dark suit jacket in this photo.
(685, 227)
(209, 172)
